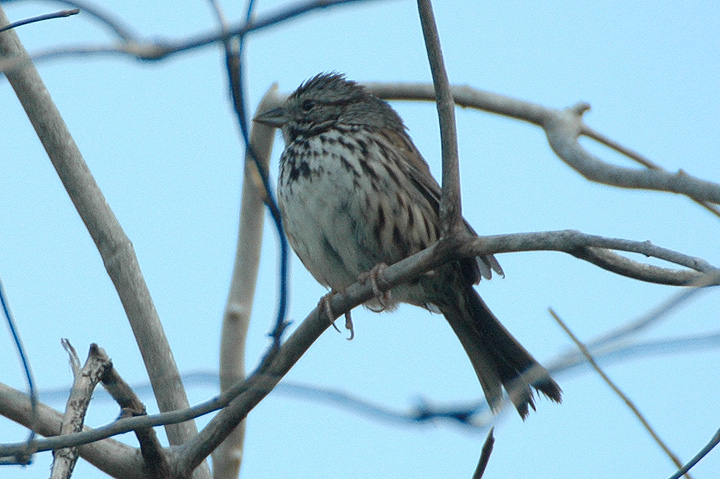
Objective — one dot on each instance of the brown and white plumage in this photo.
(355, 192)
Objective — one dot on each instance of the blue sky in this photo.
(162, 142)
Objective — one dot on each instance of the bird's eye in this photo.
(307, 105)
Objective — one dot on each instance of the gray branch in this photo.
(563, 128)
(84, 381)
(114, 246)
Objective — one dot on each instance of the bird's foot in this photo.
(325, 306)
(375, 276)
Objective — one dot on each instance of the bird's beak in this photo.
(275, 117)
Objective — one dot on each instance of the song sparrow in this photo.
(354, 192)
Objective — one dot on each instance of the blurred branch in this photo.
(711, 277)
(146, 49)
(236, 319)
(105, 18)
(234, 67)
(628, 402)
(40, 18)
(474, 414)
(485, 455)
(23, 457)
(227, 457)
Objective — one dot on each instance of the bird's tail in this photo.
(498, 358)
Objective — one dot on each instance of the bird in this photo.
(355, 193)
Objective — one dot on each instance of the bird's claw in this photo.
(326, 307)
(349, 326)
(375, 275)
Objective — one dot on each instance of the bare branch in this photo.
(110, 456)
(152, 50)
(451, 222)
(112, 243)
(84, 381)
(563, 127)
(563, 130)
(597, 250)
(152, 451)
(236, 319)
(637, 157)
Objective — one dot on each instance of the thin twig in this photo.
(22, 457)
(106, 19)
(227, 457)
(40, 18)
(628, 402)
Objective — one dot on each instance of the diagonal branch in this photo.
(113, 245)
(155, 458)
(242, 397)
(485, 455)
(628, 402)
